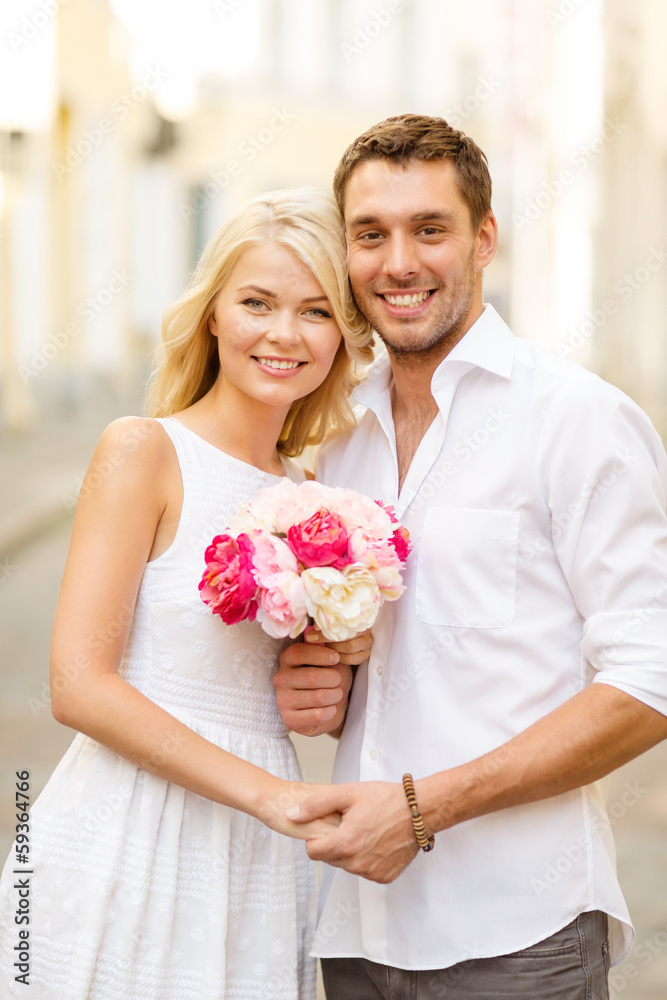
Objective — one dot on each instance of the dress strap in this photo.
(185, 444)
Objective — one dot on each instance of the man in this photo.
(526, 659)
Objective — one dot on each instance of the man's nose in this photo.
(401, 257)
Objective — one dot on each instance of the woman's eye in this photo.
(320, 313)
(254, 303)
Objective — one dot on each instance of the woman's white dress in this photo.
(143, 890)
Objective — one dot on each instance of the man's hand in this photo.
(375, 839)
(313, 682)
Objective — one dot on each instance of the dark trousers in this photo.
(570, 965)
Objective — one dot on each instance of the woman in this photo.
(160, 869)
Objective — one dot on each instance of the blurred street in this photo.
(30, 739)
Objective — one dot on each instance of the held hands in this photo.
(313, 682)
(286, 795)
(375, 838)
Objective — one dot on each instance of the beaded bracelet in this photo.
(425, 842)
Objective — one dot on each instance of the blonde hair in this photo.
(306, 222)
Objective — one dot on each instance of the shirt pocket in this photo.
(466, 573)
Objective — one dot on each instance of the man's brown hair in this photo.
(420, 137)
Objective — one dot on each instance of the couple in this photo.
(535, 496)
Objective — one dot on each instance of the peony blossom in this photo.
(301, 553)
(320, 541)
(342, 602)
(358, 511)
(389, 508)
(277, 508)
(272, 555)
(228, 585)
(381, 558)
(282, 611)
(400, 539)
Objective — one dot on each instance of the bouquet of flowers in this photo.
(305, 554)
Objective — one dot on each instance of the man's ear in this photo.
(487, 241)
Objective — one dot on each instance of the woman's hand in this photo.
(285, 795)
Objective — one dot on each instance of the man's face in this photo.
(413, 257)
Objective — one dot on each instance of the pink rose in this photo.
(228, 585)
(320, 541)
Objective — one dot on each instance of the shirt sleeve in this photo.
(604, 473)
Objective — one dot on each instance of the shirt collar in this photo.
(488, 344)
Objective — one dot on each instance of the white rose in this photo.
(342, 602)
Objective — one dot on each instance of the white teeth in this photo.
(274, 363)
(407, 300)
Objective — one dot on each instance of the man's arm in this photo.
(605, 491)
(584, 739)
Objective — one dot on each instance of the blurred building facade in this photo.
(160, 119)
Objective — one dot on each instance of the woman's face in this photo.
(277, 337)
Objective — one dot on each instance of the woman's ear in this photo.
(212, 326)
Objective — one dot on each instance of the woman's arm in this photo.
(129, 507)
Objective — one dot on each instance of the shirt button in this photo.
(374, 754)
(380, 670)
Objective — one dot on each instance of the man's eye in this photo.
(430, 231)
(370, 237)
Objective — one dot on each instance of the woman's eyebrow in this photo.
(256, 288)
(274, 295)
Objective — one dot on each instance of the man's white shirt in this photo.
(536, 505)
